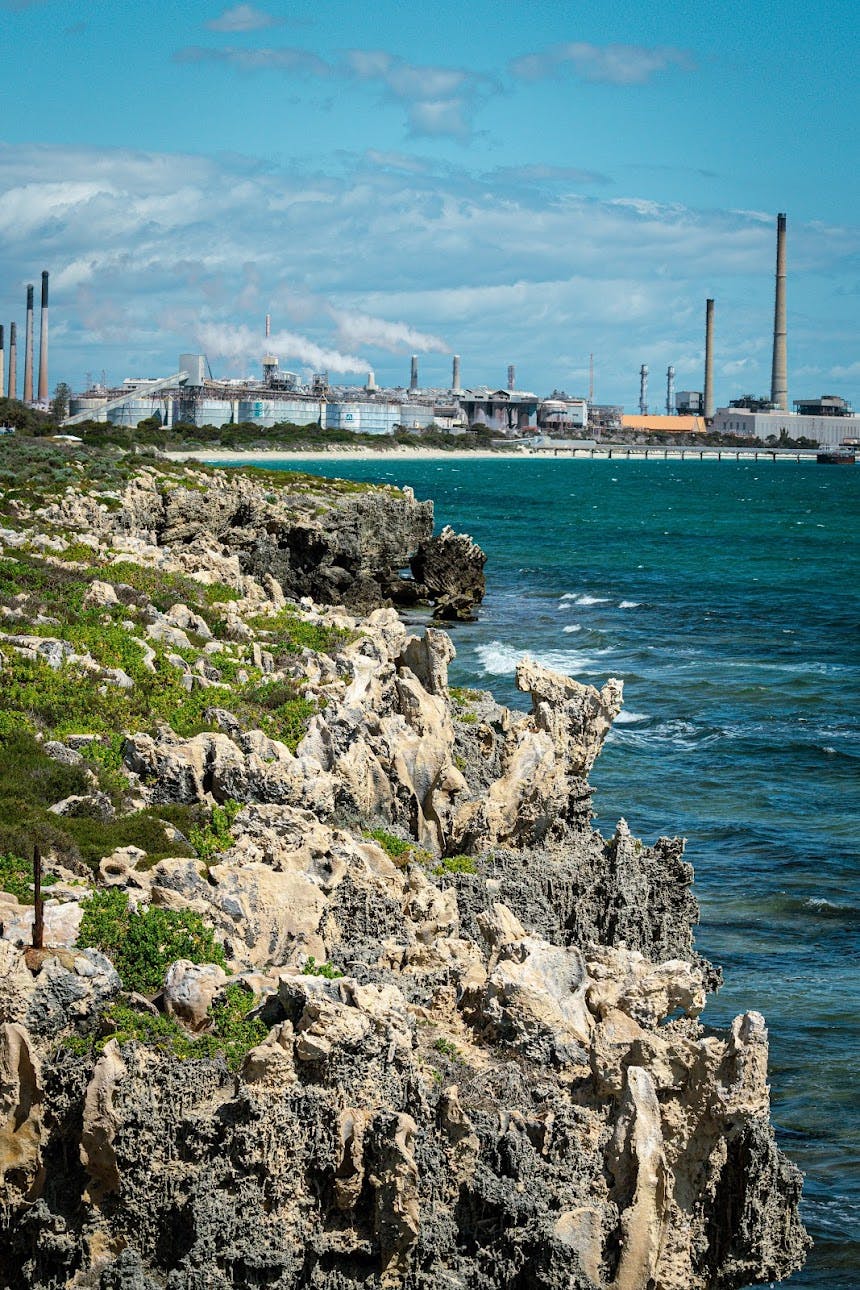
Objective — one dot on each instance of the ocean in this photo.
(725, 595)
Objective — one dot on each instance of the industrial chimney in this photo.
(12, 387)
(2, 361)
(779, 371)
(371, 381)
(28, 347)
(643, 390)
(709, 360)
(43, 342)
(413, 377)
(670, 391)
(512, 377)
(455, 375)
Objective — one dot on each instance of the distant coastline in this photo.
(620, 452)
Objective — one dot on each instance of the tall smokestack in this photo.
(590, 379)
(512, 377)
(2, 360)
(455, 374)
(43, 342)
(709, 360)
(643, 390)
(670, 390)
(12, 386)
(28, 347)
(413, 376)
(779, 371)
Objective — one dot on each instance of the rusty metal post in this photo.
(39, 911)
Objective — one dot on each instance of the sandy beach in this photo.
(260, 457)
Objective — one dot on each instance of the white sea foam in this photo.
(626, 717)
(499, 659)
(572, 627)
(629, 604)
(592, 600)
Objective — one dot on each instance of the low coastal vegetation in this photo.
(142, 944)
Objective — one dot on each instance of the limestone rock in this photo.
(189, 990)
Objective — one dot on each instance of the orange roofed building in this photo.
(665, 425)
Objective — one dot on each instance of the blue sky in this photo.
(512, 182)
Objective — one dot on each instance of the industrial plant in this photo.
(193, 396)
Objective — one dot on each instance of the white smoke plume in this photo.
(355, 329)
(240, 344)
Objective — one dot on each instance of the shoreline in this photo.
(613, 453)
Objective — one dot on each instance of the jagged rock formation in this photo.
(507, 1086)
(339, 543)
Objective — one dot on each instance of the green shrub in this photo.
(456, 864)
(328, 970)
(215, 836)
(142, 945)
(447, 1049)
(287, 633)
(402, 852)
(16, 877)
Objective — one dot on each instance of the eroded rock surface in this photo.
(482, 1064)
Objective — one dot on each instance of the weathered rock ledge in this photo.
(508, 1086)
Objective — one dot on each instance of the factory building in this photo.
(557, 416)
(826, 431)
(690, 403)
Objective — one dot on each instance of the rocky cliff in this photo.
(431, 1030)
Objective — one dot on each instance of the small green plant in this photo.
(142, 946)
(233, 1033)
(399, 850)
(462, 695)
(447, 1049)
(328, 970)
(287, 633)
(215, 837)
(456, 864)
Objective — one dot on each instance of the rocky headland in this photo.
(339, 987)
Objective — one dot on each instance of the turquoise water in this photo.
(725, 595)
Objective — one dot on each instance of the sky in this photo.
(513, 182)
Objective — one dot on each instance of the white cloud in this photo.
(244, 17)
(437, 100)
(282, 59)
(393, 254)
(614, 64)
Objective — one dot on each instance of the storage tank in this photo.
(92, 404)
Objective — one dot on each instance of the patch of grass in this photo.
(142, 945)
(310, 967)
(462, 695)
(466, 718)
